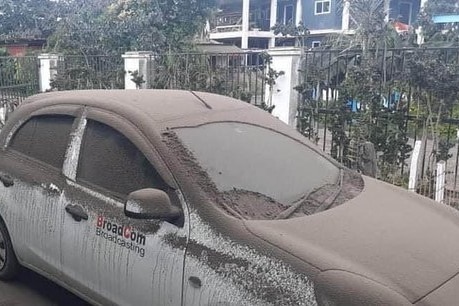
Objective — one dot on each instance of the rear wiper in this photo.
(326, 204)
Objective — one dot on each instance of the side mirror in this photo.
(151, 203)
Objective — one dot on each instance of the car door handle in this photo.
(77, 212)
(52, 189)
(195, 282)
(6, 180)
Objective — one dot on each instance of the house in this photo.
(248, 23)
(219, 54)
(245, 23)
(20, 47)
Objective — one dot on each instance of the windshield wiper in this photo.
(331, 199)
(324, 205)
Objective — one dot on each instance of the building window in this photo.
(288, 14)
(267, 13)
(322, 7)
(316, 44)
(405, 11)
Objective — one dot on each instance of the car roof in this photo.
(152, 109)
(159, 105)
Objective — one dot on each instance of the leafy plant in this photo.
(137, 78)
(89, 72)
(270, 79)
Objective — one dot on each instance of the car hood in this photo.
(397, 238)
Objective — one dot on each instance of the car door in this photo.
(106, 255)
(32, 189)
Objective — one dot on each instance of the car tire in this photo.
(9, 265)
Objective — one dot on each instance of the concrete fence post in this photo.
(137, 69)
(282, 94)
(440, 182)
(346, 15)
(48, 70)
(414, 166)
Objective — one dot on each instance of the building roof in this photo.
(20, 46)
(218, 48)
(23, 41)
(401, 27)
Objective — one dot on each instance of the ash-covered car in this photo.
(156, 197)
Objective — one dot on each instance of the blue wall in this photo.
(324, 21)
(333, 19)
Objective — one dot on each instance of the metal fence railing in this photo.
(18, 79)
(240, 75)
(89, 72)
(390, 98)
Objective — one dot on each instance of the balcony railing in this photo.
(232, 22)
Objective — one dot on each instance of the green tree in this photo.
(113, 27)
(434, 74)
(299, 33)
(27, 18)
(97, 32)
(439, 34)
(83, 29)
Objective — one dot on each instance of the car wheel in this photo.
(9, 265)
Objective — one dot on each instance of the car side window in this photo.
(110, 160)
(44, 138)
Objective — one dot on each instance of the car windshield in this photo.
(240, 156)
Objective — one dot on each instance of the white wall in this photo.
(284, 96)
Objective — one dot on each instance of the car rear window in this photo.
(247, 157)
(44, 138)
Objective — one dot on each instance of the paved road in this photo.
(32, 289)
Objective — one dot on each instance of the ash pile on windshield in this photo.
(253, 205)
(330, 196)
(315, 200)
(352, 185)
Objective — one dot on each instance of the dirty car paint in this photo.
(122, 259)
(236, 274)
